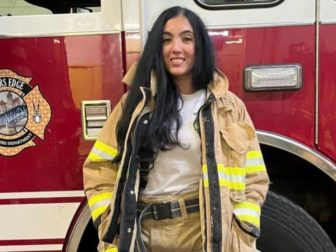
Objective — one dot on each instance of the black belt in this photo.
(167, 210)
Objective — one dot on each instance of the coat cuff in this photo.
(247, 215)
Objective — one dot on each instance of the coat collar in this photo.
(129, 76)
(218, 87)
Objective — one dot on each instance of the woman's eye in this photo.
(188, 39)
(166, 40)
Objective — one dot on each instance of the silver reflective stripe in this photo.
(254, 161)
(232, 178)
(99, 204)
(102, 154)
(245, 211)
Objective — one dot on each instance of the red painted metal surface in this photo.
(71, 69)
(327, 91)
(67, 70)
(289, 113)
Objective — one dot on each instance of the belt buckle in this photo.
(165, 210)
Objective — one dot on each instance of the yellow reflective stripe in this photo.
(94, 157)
(99, 197)
(102, 152)
(111, 250)
(205, 176)
(98, 211)
(232, 185)
(251, 219)
(247, 211)
(254, 162)
(231, 170)
(254, 154)
(231, 177)
(206, 182)
(248, 205)
(105, 148)
(255, 168)
(99, 203)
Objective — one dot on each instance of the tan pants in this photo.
(181, 234)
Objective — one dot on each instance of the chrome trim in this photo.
(317, 69)
(284, 143)
(78, 230)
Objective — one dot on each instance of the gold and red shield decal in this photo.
(24, 113)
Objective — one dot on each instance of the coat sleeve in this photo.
(248, 212)
(99, 173)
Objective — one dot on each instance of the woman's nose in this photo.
(176, 45)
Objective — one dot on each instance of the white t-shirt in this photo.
(179, 170)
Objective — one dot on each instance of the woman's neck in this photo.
(184, 84)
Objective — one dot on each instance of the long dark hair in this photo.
(166, 114)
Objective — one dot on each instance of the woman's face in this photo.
(178, 47)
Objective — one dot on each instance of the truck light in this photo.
(94, 115)
(273, 77)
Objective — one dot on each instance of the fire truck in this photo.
(61, 69)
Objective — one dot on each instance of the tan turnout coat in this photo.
(232, 189)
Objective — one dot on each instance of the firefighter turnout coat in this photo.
(233, 185)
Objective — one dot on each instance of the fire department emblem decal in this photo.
(24, 113)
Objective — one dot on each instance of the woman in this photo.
(187, 173)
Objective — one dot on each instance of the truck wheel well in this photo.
(89, 241)
(303, 183)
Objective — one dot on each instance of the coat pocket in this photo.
(238, 136)
(235, 141)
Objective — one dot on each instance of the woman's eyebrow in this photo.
(186, 32)
(181, 33)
